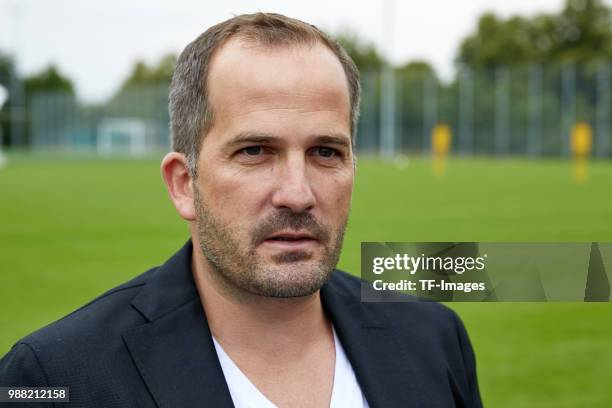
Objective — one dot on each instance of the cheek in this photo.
(334, 197)
(232, 195)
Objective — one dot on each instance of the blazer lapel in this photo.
(386, 374)
(173, 350)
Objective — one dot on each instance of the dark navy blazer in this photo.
(147, 343)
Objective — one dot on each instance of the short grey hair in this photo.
(191, 113)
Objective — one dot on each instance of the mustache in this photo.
(285, 219)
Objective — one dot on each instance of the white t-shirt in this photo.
(346, 392)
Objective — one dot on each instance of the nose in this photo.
(293, 186)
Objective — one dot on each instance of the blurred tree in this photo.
(412, 80)
(581, 32)
(417, 69)
(497, 42)
(47, 83)
(144, 93)
(365, 54)
(142, 74)
(6, 68)
(48, 80)
(6, 71)
(369, 62)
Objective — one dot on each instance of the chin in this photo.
(291, 279)
(293, 258)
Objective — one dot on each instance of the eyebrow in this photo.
(339, 139)
(250, 137)
(264, 138)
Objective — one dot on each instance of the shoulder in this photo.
(429, 324)
(20, 366)
(429, 335)
(109, 310)
(90, 332)
(404, 310)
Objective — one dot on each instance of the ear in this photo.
(175, 171)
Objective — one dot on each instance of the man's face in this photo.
(275, 172)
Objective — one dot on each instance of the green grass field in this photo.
(72, 228)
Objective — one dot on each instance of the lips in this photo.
(288, 236)
(291, 239)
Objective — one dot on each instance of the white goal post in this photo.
(123, 136)
(3, 98)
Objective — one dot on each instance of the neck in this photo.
(255, 323)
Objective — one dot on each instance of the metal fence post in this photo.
(502, 111)
(602, 134)
(534, 109)
(568, 105)
(466, 111)
(430, 109)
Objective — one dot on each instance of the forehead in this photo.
(278, 77)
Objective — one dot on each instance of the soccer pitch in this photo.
(71, 228)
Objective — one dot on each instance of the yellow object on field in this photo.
(441, 138)
(581, 143)
(581, 139)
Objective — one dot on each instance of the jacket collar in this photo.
(388, 377)
(173, 350)
(176, 357)
(170, 286)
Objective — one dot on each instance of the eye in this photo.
(252, 150)
(326, 152)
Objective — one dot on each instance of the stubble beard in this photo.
(290, 274)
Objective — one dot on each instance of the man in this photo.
(251, 312)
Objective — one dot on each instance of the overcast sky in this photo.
(96, 42)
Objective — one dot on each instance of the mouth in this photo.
(291, 240)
